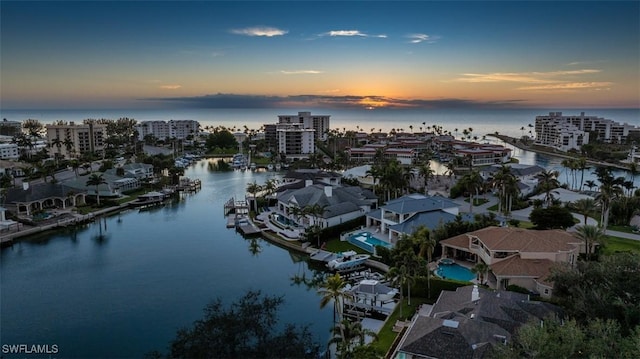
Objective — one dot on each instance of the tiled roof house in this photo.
(516, 256)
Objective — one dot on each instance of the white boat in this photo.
(270, 167)
(278, 166)
(347, 260)
(373, 291)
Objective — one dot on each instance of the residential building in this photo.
(469, 322)
(295, 141)
(340, 204)
(516, 256)
(526, 175)
(402, 216)
(40, 196)
(9, 151)
(482, 154)
(71, 140)
(178, 129)
(10, 128)
(566, 132)
(320, 123)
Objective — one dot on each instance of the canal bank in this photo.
(123, 288)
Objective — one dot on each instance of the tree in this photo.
(254, 188)
(427, 244)
(610, 189)
(245, 329)
(481, 269)
(551, 218)
(348, 335)
(426, 172)
(585, 207)
(472, 182)
(333, 290)
(590, 235)
(96, 180)
(605, 289)
(547, 182)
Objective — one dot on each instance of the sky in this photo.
(333, 54)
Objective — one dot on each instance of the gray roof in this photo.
(40, 191)
(454, 338)
(519, 170)
(507, 309)
(430, 220)
(418, 203)
(342, 200)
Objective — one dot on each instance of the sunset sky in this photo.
(329, 54)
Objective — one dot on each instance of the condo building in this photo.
(71, 140)
(571, 132)
(320, 123)
(179, 129)
(295, 141)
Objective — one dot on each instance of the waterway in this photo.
(122, 287)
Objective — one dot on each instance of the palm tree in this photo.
(316, 211)
(590, 235)
(591, 184)
(333, 290)
(254, 188)
(96, 179)
(422, 236)
(547, 182)
(472, 182)
(585, 207)
(581, 164)
(481, 269)
(610, 189)
(344, 335)
(426, 172)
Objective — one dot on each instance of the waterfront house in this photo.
(32, 198)
(469, 322)
(516, 256)
(402, 216)
(340, 204)
(525, 174)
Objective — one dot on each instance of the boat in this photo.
(278, 166)
(253, 166)
(270, 167)
(373, 291)
(347, 260)
(149, 199)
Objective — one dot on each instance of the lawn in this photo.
(336, 245)
(616, 244)
(387, 336)
(625, 229)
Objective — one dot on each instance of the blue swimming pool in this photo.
(455, 271)
(367, 241)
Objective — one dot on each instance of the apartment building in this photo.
(567, 132)
(71, 140)
(320, 123)
(9, 151)
(295, 141)
(10, 128)
(179, 129)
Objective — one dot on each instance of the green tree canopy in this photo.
(245, 329)
(553, 217)
(222, 139)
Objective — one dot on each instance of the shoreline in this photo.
(519, 144)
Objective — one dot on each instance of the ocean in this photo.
(482, 121)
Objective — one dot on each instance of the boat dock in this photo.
(239, 207)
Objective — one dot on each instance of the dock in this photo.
(248, 229)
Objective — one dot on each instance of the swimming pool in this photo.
(455, 271)
(367, 242)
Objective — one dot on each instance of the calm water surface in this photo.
(126, 292)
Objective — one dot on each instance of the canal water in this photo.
(123, 287)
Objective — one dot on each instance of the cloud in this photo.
(170, 87)
(418, 38)
(221, 100)
(524, 77)
(300, 72)
(350, 33)
(569, 86)
(259, 31)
